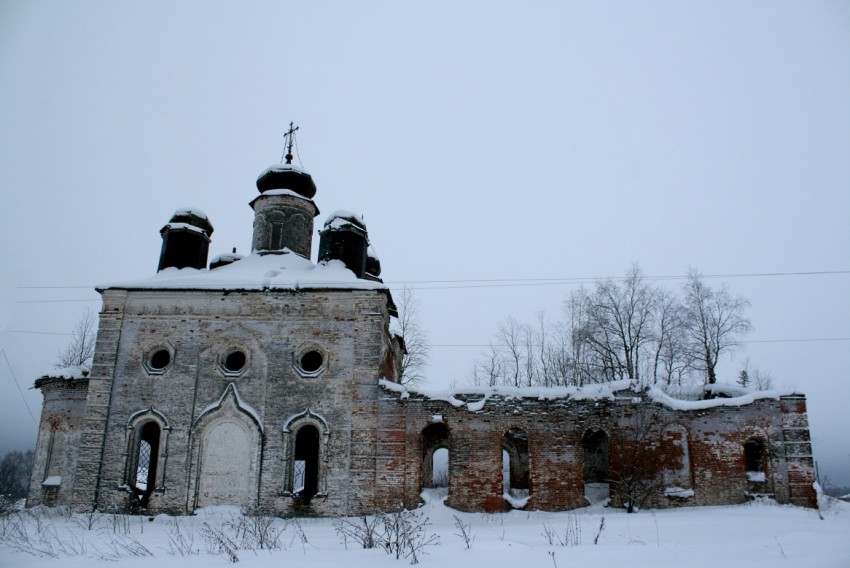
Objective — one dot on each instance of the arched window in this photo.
(755, 461)
(675, 458)
(594, 444)
(306, 437)
(434, 437)
(145, 461)
(515, 465)
(305, 463)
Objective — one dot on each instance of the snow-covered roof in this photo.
(189, 212)
(285, 168)
(341, 218)
(226, 257)
(183, 227)
(603, 391)
(287, 271)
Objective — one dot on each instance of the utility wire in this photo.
(497, 282)
(6, 357)
(55, 301)
(39, 332)
(800, 340)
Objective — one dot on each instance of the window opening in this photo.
(754, 460)
(595, 446)
(276, 236)
(676, 461)
(235, 361)
(160, 359)
(515, 464)
(305, 463)
(147, 453)
(311, 361)
(440, 469)
(435, 437)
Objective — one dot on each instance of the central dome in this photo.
(287, 176)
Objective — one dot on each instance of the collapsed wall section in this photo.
(701, 453)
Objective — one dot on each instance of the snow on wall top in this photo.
(737, 396)
(73, 372)
(287, 271)
(603, 391)
(590, 392)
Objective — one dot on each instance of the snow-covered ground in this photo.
(752, 535)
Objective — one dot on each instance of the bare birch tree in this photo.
(715, 321)
(671, 361)
(621, 319)
(509, 340)
(80, 350)
(414, 360)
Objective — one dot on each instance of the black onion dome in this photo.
(341, 218)
(194, 217)
(287, 176)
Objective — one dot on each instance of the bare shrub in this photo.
(219, 543)
(599, 532)
(464, 531)
(299, 533)
(180, 541)
(363, 530)
(256, 532)
(405, 534)
(122, 546)
(570, 536)
(35, 533)
(89, 520)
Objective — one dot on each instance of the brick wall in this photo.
(713, 439)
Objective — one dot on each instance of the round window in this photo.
(311, 361)
(235, 361)
(160, 359)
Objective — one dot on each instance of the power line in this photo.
(55, 301)
(521, 282)
(53, 287)
(38, 332)
(501, 282)
(585, 279)
(798, 340)
(6, 357)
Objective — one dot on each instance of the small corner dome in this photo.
(194, 217)
(287, 176)
(342, 218)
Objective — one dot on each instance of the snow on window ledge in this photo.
(52, 481)
(756, 476)
(516, 502)
(679, 492)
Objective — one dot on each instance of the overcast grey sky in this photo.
(480, 140)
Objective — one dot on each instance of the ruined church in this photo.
(271, 382)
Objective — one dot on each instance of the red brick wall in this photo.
(715, 436)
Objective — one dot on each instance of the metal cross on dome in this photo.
(288, 140)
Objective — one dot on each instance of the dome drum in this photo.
(185, 240)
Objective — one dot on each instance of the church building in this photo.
(270, 382)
